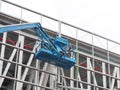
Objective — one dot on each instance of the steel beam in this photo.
(115, 73)
(25, 73)
(9, 64)
(104, 77)
(79, 78)
(2, 54)
(19, 73)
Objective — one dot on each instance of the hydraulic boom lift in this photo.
(51, 51)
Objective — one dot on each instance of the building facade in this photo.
(97, 58)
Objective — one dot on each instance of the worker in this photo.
(70, 52)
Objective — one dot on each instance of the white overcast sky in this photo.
(98, 16)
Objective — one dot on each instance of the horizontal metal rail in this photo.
(60, 21)
(25, 82)
(83, 83)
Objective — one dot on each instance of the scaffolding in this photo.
(97, 67)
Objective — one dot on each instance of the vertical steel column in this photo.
(58, 77)
(77, 55)
(118, 81)
(72, 77)
(104, 77)
(77, 74)
(16, 66)
(20, 62)
(17, 58)
(93, 61)
(37, 72)
(88, 74)
(58, 69)
(36, 79)
(2, 54)
(108, 59)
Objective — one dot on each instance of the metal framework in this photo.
(96, 69)
(51, 51)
